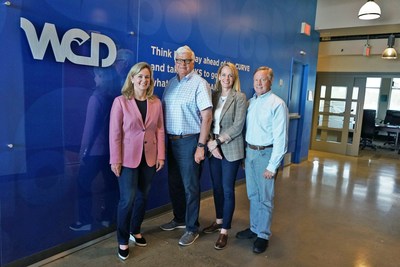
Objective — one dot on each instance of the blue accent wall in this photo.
(46, 105)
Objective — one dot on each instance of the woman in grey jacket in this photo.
(226, 147)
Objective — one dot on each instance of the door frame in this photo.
(343, 146)
(297, 119)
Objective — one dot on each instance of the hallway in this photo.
(330, 210)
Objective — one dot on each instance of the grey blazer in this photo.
(233, 116)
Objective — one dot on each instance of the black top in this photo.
(142, 105)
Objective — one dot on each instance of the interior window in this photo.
(394, 101)
(372, 90)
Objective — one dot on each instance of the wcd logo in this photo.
(63, 50)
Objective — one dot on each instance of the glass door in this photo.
(335, 127)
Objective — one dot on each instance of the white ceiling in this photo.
(340, 18)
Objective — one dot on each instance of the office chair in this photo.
(368, 130)
(392, 117)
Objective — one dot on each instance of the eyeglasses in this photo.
(180, 61)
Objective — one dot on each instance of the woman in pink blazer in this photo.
(137, 151)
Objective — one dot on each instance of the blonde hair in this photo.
(236, 81)
(128, 88)
(268, 69)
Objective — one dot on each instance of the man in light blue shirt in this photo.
(266, 138)
(188, 115)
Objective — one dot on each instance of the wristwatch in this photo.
(218, 141)
(200, 145)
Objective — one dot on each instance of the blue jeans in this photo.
(260, 191)
(184, 181)
(134, 187)
(223, 175)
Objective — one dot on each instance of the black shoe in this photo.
(123, 254)
(246, 234)
(260, 245)
(141, 242)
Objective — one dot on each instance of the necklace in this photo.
(222, 99)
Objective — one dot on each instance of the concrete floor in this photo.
(329, 211)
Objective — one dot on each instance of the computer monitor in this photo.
(392, 117)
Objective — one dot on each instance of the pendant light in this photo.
(390, 52)
(369, 10)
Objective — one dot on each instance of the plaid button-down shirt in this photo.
(182, 102)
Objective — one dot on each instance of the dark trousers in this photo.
(184, 181)
(134, 187)
(223, 176)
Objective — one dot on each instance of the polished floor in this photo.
(330, 210)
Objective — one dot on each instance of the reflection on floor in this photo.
(330, 210)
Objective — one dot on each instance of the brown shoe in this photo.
(214, 227)
(221, 241)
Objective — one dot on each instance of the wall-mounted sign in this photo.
(62, 50)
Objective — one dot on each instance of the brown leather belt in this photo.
(176, 137)
(258, 147)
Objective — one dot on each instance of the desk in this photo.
(390, 129)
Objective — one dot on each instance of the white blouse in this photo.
(217, 114)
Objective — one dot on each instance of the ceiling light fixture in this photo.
(390, 52)
(369, 10)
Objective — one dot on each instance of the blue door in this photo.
(296, 102)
